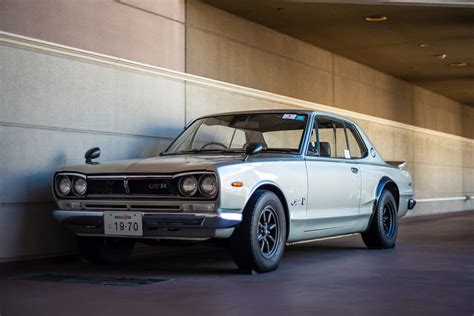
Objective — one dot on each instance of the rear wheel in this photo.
(383, 230)
(105, 250)
(259, 241)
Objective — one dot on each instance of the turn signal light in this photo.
(237, 184)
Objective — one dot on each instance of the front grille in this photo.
(164, 187)
(133, 186)
(137, 186)
(105, 186)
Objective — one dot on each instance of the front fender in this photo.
(289, 177)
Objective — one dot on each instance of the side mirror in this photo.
(92, 153)
(253, 149)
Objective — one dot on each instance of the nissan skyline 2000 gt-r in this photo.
(258, 179)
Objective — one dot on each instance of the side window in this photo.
(313, 143)
(213, 135)
(238, 140)
(356, 146)
(283, 139)
(332, 138)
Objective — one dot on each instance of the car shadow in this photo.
(208, 260)
(188, 261)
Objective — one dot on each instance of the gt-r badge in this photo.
(298, 202)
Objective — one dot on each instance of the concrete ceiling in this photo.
(391, 46)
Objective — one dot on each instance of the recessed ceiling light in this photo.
(423, 45)
(376, 18)
(442, 56)
(279, 9)
(458, 65)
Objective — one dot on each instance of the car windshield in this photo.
(231, 133)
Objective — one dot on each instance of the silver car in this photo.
(258, 180)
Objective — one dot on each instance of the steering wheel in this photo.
(214, 143)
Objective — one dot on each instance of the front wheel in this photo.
(105, 250)
(383, 230)
(259, 241)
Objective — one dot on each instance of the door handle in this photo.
(355, 170)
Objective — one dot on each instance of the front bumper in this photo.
(156, 225)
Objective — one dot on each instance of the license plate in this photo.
(123, 223)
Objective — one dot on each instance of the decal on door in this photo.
(298, 202)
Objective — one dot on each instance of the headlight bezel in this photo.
(59, 183)
(84, 187)
(212, 193)
(181, 189)
(72, 177)
(200, 193)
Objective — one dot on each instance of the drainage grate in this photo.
(98, 280)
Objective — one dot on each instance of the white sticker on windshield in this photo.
(347, 154)
(289, 116)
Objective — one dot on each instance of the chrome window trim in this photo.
(345, 123)
(359, 140)
(309, 116)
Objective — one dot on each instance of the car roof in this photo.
(291, 111)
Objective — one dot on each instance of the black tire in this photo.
(259, 241)
(383, 230)
(105, 250)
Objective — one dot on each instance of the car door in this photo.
(334, 179)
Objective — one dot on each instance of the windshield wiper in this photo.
(285, 150)
(233, 151)
(200, 151)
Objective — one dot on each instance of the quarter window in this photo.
(332, 139)
(355, 143)
(336, 140)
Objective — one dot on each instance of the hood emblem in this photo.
(157, 186)
(125, 186)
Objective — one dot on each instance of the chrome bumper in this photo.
(156, 225)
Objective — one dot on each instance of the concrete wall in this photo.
(222, 46)
(147, 31)
(226, 47)
(52, 109)
(55, 105)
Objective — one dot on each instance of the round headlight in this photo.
(80, 186)
(64, 185)
(208, 185)
(188, 186)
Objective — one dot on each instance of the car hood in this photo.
(164, 164)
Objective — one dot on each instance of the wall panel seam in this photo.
(258, 48)
(76, 130)
(438, 164)
(147, 11)
(368, 85)
(66, 51)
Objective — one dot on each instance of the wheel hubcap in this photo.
(268, 231)
(388, 220)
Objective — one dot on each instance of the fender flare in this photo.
(381, 186)
(276, 189)
(384, 181)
